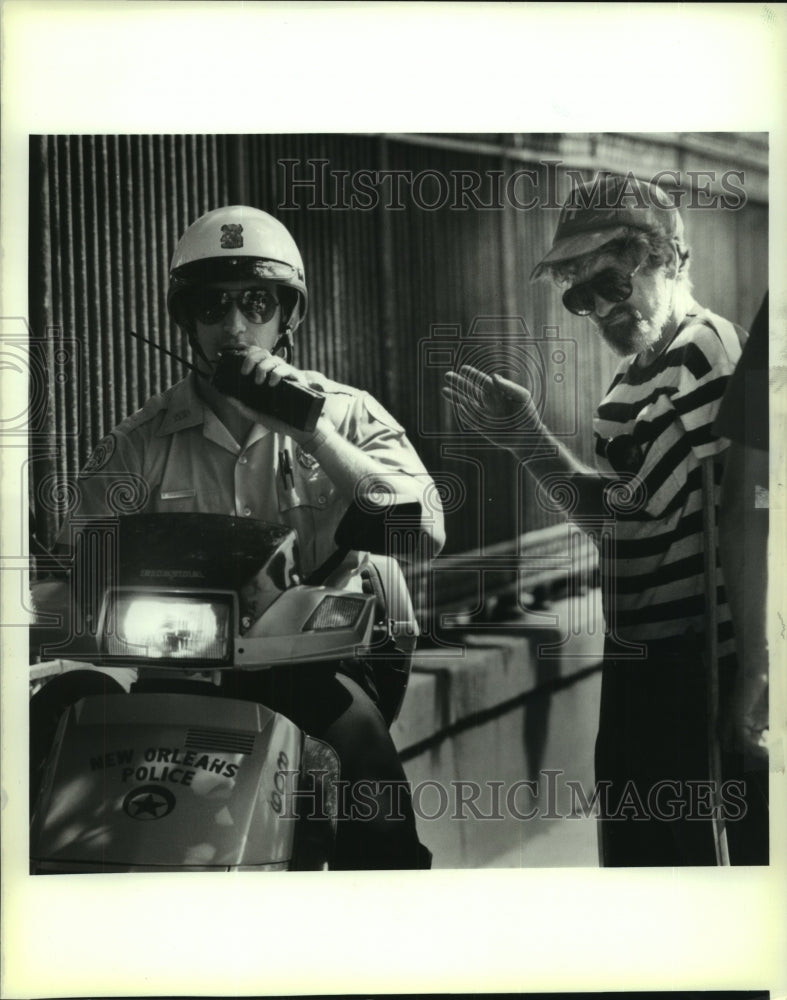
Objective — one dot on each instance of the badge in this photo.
(231, 236)
(305, 459)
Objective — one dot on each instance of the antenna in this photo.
(163, 350)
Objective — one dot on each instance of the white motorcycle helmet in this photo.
(238, 242)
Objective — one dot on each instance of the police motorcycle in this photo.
(171, 777)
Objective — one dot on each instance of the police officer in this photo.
(237, 283)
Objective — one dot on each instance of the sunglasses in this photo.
(210, 305)
(609, 284)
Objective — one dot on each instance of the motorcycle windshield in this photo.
(206, 550)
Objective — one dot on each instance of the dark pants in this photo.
(653, 772)
(376, 827)
(331, 707)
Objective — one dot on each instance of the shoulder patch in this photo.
(100, 456)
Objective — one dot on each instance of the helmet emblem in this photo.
(231, 236)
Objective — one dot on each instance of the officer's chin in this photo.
(204, 368)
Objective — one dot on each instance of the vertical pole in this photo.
(712, 661)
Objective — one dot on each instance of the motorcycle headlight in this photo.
(161, 626)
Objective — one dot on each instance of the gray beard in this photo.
(630, 335)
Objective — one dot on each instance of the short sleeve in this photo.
(110, 484)
(374, 430)
(708, 356)
(671, 413)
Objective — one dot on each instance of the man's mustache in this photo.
(613, 318)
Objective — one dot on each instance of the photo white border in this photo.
(153, 67)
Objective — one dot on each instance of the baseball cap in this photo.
(599, 211)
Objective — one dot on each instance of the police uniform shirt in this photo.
(176, 455)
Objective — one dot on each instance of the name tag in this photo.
(178, 494)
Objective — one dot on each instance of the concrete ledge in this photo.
(489, 667)
(509, 706)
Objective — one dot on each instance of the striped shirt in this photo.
(660, 419)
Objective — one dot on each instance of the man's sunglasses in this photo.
(610, 284)
(210, 305)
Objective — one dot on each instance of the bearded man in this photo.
(619, 258)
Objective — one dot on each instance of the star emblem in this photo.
(149, 805)
(149, 802)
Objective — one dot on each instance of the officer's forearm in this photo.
(347, 465)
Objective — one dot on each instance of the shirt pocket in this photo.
(308, 486)
(309, 503)
(174, 501)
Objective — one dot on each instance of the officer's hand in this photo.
(270, 367)
(491, 404)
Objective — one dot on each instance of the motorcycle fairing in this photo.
(222, 551)
(281, 635)
(155, 781)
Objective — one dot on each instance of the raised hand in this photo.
(491, 404)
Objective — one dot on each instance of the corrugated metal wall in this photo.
(106, 212)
